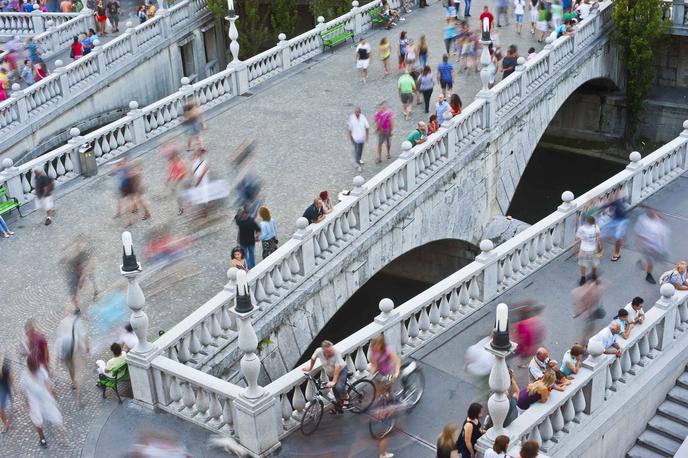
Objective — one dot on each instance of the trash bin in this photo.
(87, 159)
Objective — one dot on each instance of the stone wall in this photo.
(671, 63)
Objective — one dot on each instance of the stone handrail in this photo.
(28, 107)
(602, 376)
(25, 24)
(316, 244)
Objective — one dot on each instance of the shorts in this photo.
(541, 26)
(384, 137)
(101, 18)
(615, 229)
(533, 16)
(588, 259)
(45, 203)
(362, 63)
(446, 84)
(402, 59)
(407, 98)
(519, 19)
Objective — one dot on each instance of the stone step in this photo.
(679, 395)
(640, 451)
(668, 427)
(683, 380)
(659, 443)
(674, 411)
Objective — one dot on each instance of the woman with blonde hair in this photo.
(446, 443)
(268, 232)
(538, 391)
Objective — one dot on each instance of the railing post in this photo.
(452, 150)
(304, 233)
(548, 49)
(130, 32)
(597, 363)
(76, 141)
(389, 315)
(635, 167)
(407, 156)
(22, 108)
(283, 45)
(520, 69)
(100, 57)
(136, 115)
(37, 22)
(13, 182)
(356, 17)
(490, 111)
(684, 134)
(488, 258)
(165, 23)
(568, 235)
(63, 80)
(677, 9)
(668, 303)
(361, 192)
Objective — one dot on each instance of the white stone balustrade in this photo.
(27, 24)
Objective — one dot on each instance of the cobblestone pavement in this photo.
(302, 149)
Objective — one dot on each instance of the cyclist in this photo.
(387, 364)
(336, 370)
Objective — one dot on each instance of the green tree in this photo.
(252, 24)
(639, 31)
(283, 17)
(330, 9)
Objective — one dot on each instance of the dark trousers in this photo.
(358, 152)
(426, 98)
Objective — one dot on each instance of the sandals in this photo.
(616, 257)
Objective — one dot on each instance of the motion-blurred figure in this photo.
(39, 397)
(587, 300)
(158, 444)
(617, 222)
(76, 260)
(35, 345)
(478, 362)
(165, 253)
(652, 236)
(247, 184)
(528, 331)
(131, 188)
(176, 171)
(72, 345)
(6, 384)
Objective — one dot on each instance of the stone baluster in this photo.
(22, 106)
(684, 134)
(101, 64)
(407, 156)
(569, 226)
(257, 424)
(139, 357)
(520, 70)
(130, 32)
(136, 116)
(594, 391)
(363, 204)
(356, 18)
(304, 234)
(385, 319)
(490, 271)
(668, 303)
(285, 51)
(63, 80)
(76, 142)
(635, 167)
(452, 149)
(37, 22)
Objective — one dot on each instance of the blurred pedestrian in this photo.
(446, 443)
(423, 51)
(407, 87)
(5, 231)
(76, 260)
(114, 9)
(154, 444)
(176, 174)
(358, 134)
(528, 332)
(194, 123)
(268, 231)
(455, 104)
(35, 345)
(615, 227)
(39, 397)
(445, 76)
(6, 385)
(327, 205)
(426, 83)
(401, 49)
(72, 345)
(383, 126)
(362, 58)
(590, 248)
(44, 194)
(587, 304)
(248, 235)
(653, 237)
(385, 52)
(478, 363)
(76, 50)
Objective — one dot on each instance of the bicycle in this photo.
(410, 389)
(361, 395)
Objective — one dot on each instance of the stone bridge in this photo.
(469, 170)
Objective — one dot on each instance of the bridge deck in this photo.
(302, 149)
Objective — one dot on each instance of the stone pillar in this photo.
(668, 303)
(389, 315)
(100, 57)
(677, 12)
(452, 150)
(285, 51)
(568, 208)
(139, 357)
(596, 362)
(361, 192)
(356, 18)
(12, 179)
(548, 50)
(684, 134)
(520, 70)
(304, 233)
(63, 81)
(257, 422)
(407, 156)
(488, 258)
(22, 107)
(136, 115)
(37, 22)
(199, 55)
(636, 187)
(76, 141)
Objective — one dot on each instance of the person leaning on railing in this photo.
(607, 337)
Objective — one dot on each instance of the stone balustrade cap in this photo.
(567, 196)
(667, 290)
(386, 305)
(685, 124)
(358, 181)
(282, 37)
(486, 245)
(133, 105)
(185, 81)
(74, 132)
(7, 163)
(635, 156)
(16, 87)
(301, 223)
(232, 274)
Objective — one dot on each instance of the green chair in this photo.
(8, 203)
(333, 36)
(117, 374)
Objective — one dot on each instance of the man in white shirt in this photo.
(358, 133)
(588, 235)
(584, 9)
(607, 337)
(539, 364)
(334, 366)
(635, 310)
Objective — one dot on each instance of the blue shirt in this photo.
(445, 70)
(441, 108)
(567, 359)
(267, 229)
(623, 325)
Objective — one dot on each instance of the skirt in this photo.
(269, 246)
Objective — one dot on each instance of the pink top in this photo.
(384, 120)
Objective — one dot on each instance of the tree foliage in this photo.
(330, 9)
(283, 17)
(640, 30)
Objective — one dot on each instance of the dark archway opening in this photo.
(574, 154)
(405, 277)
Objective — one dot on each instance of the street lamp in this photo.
(485, 59)
(233, 33)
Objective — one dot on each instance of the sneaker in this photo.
(387, 455)
(650, 279)
(48, 220)
(43, 443)
(361, 162)
(359, 168)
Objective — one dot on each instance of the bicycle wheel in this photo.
(381, 424)
(361, 395)
(413, 387)
(311, 417)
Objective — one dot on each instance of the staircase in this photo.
(667, 430)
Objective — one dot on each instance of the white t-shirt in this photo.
(489, 453)
(632, 314)
(519, 8)
(588, 234)
(360, 54)
(329, 363)
(584, 10)
(606, 338)
(357, 127)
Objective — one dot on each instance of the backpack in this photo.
(664, 278)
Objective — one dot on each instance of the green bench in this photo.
(333, 36)
(7, 203)
(117, 374)
(376, 16)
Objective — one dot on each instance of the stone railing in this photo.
(33, 106)
(602, 379)
(56, 38)
(26, 24)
